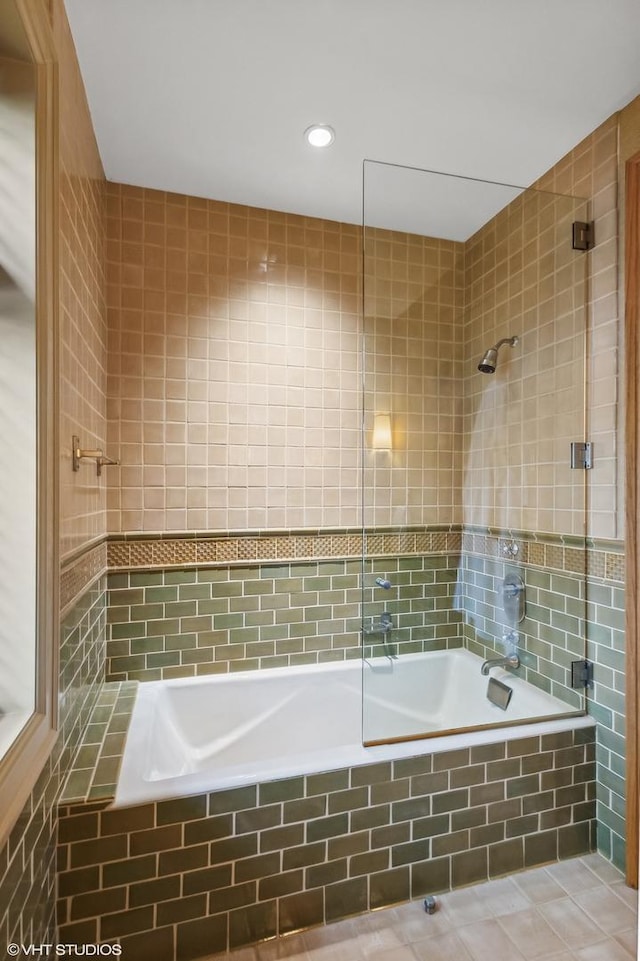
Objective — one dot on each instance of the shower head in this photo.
(489, 362)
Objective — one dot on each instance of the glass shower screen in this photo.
(473, 394)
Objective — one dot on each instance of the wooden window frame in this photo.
(25, 760)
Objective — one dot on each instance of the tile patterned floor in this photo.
(578, 910)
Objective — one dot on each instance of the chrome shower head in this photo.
(489, 362)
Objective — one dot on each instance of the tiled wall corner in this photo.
(222, 870)
(563, 610)
(82, 307)
(591, 170)
(82, 665)
(96, 763)
(606, 703)
(551, 634)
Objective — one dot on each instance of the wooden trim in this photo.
(632, 500)
(24, 761)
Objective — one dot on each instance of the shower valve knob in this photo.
(383, 583)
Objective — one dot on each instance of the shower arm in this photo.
(512, 341)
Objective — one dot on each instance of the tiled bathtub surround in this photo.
(562, 610)
(245, 617)
(200, 874)
(178, 620)
(177, 623)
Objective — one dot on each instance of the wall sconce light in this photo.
(381, 438)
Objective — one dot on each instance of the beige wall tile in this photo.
(234, 339)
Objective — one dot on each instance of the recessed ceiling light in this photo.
(320, 135)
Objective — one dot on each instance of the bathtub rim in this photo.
(131, 791)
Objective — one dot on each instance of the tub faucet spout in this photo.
(511, 660)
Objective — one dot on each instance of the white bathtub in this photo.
(205, 734)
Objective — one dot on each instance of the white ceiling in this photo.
(211, 97)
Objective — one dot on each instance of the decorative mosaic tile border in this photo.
(601, 559)
(204, 550)
(604, 559)
(572, 555)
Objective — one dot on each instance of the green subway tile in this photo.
(285, 660)
(222, 591)
(194, 939)
(301, 910)
(194, 592)
(389, 887)
(285, 790)
(216, 606)
(317, 583)
(180, 642)
(251, 664)
(183, 670)
(163, 659)
(180, 609)
(258, 618)
(229, 652)
(243, 635)
(142, 645)
(164, 626)
(430, 877)
(179, 577)
(288, 585)
(257, 587)
(126, 598)
(128, 664)
(223, 622)
(275, 572)
(117, 581)
(117, 614)
(123, 631)
(147, 578)
(154, 595)
(568, 586)
(285, 646)
(236, 605)
(610, 699)
(261, 649)
(236, 799)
